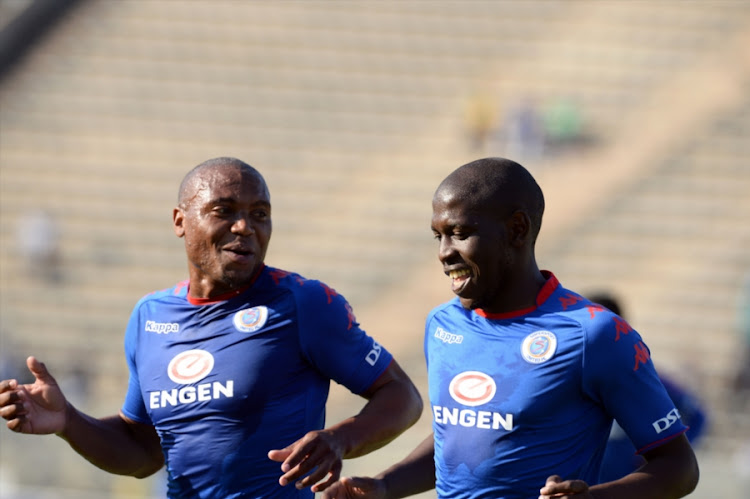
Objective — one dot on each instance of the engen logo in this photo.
(472, 388)
(190, 366)
(185, 369)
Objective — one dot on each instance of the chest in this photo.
(230, 358)
(527, 369)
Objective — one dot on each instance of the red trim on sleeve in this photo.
(653, 445)
(375, 383)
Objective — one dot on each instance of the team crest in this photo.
(250, 319)
(539, 347)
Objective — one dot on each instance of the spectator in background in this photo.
(741, 380)
(523, 131)
(621, 457)
(38, 237)
(563, 125)
(740, 392)
(481, 120)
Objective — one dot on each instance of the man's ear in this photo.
(178, 221)
(519, 227)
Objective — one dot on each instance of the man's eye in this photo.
(261, 214)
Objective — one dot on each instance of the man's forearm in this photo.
(112, 445)
(414, 474)
(671, 472)
(393, 405)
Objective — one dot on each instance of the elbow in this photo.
(416, 405)
(147, 471)
(692, 478)
(686, 481)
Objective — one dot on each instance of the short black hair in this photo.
(501, 184)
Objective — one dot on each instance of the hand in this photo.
(39, 408)
(356, 488)
(318, 453)
(556, 487)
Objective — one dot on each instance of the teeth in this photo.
(458, 273)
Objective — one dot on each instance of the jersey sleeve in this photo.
(134, 406)
(333, 341)
(618, 372)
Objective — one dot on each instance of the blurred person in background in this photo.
(525, 376)
(740, 392)
(38, 235)
(230, 370)
(621, 456)
(741, 379)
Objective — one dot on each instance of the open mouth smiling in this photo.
(459, 278)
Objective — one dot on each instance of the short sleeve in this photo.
(618, 373)
(333, 341)
(134, 406)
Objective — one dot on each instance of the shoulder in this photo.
(596, 322)
(301, 289)
(176, 292)
(446, 309)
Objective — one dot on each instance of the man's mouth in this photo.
(239, 255)
(459, 277)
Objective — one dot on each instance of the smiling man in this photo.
(230, 370)
(525, 376)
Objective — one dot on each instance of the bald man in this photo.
(526, 376)
(230, 370)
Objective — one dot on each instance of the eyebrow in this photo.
(226, 199)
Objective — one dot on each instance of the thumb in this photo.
(553, 479)
(358, 483)
(39, 370)
(549, 485)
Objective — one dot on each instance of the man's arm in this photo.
(114, 444)
(394, 404)
(670, 472)
(412, 475)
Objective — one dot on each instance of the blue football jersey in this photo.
(225, 381)
(521, 396)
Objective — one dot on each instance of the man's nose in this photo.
(445, 250)
(242, 225)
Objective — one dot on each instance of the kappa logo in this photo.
(472, 388)
(162, 327)
(539, 347)
(251, 319)
(190, 366)
(447, 337)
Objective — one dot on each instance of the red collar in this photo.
(549, 287)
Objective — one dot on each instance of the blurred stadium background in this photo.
(354, 111)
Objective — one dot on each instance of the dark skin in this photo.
(224, 217)
(486, 217)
